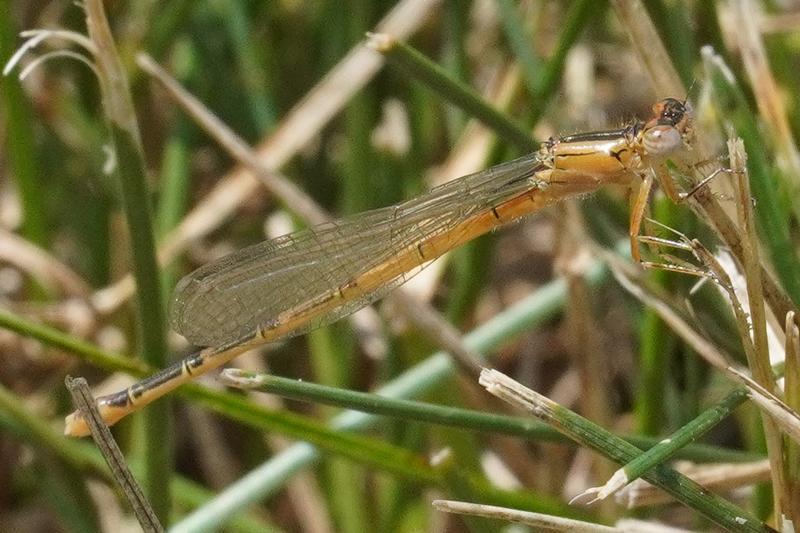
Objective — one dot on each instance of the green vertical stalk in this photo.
(656, 351)
(470, 265)
(675, 30)
(454, 59)
(20, 141)
(250, 64)
(155, 429)
(578, 16)
(518, 41)
(332, 351)
(174, 189)
(656, 346)
(175, 178)
(163, 28)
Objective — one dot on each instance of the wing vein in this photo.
(233, 297)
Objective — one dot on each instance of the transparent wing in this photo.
(230, 299)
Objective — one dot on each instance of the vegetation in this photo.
(199, 128)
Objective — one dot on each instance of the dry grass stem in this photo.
(538, 520)
(719, 477)
(84, 402)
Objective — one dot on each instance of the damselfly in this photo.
(289, 285)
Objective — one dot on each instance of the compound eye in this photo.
(662, 140)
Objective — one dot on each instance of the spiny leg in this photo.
(682, 243)
(638, 207)
(667, 183)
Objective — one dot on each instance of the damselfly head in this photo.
(671, 112)
(669, 129)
